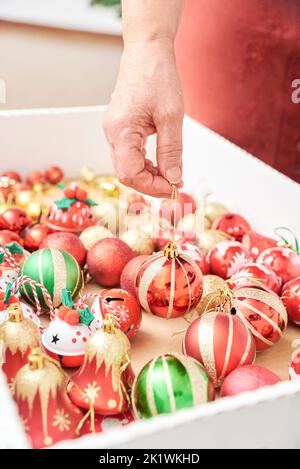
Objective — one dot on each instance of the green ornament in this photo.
(169, 383)
(56, 270)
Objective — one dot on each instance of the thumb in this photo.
(169, 151)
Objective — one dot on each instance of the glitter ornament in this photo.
(169, 383)
(34, 236)
(283, 261)
(194, 224)
(55, 270)
(54, 175)
(36, 177)
(232, 224)
(92, 234)
(248, 378)
(227, 257)
(123, 306)
(101, 376)
(214, 210)
(169, 284)
(215, 295)
(197, 255)
(139, 241)
(257, 243)
(221, 342)
(291, 299)
(258, 274)
(67, 242)
(18, 336)
(210, 238)
(129, 273)
(14, 219)
(47, 414)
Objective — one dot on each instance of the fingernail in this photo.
(174, 175)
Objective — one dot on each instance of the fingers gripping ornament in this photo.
(98, 386)
(47, 413)
(18, 336)
(221, 342)
(169, 284)
(169, 383)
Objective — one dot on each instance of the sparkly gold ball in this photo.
(107, 213)
(194, 223)
(214, 297)
(23, 198)
(93, 234)
(140, 242)
(210, 238)
(214, 210)
(34, 209)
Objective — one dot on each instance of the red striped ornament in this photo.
(221, 342)
(169, 284)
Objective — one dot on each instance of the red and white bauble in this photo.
(257, 243)
(221, 342)
(169, 286)
(291, 299)
(258, 274)
(294, 368)
(227, 257)
(232, 224)
(27, 310)
(123, 306)
(262, 312)
(197, 255)
(284, 261)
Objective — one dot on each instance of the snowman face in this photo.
(27, 311)
(65, 339)
(7, 276)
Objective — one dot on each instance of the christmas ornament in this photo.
(55, 270)
(197, 255)
(262, 312)
(248, 378)
(129, 273)
(72, 213)
(24, 198)
(11, 257)
(283, 261)
(291, 299)
(257, 243)
(169, 383)
(210, 238)
(67, 242)
(35, 210)
(34, 235)
(221, 342)
(193, 224)
(101, 375)
(169, 284)
(214, 210)
(139, 241)
(92, 234)
(232, 224)
(27, 311)
(294, 367)
(54, 175)
(12, 175)
(66, 336)
(258, 274)
(174, 210)
(18, 336)
(6, 190)
(108, 214)
(9, 237)
(227, 257)
(123, 306)
(36, 177)
(136, 204)
(108, 186)
(14, 219)
(215, 295)
(179, 238)
(47, 414)
(107, 259)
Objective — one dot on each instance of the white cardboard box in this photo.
(72, 138)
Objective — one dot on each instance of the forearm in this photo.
(147, 20)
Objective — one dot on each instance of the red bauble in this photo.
(169, 285)
(227, 257)
(263, 312)
(106, 260)
(221, 342)
(291, 299)
(123, 306)
(9, 237)
(232, 224)
(12, 175)
(136, 204)
(14, 219)
(173, 211)
(180, 237)
(68, 242)
(294, 368)
(283, 261)
(36, 177)
(54, 175)
(75, 219)
(129, 273)
(257, 243)
(34, 236)
(248, 378)
(197, 255)
(257, 274)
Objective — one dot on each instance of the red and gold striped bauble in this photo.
(169, 284)
(221, 342)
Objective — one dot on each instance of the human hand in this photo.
(147, 99)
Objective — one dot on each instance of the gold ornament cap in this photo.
(171, 251)
(15, 313)
(109, 324)
(36, 359)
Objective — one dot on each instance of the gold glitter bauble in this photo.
(215, 293)
(23, 198)
(107, 213)
(210, 238)
(214, 210)
(92, 234)
(139, 241)
(194, 223)
(34, 209)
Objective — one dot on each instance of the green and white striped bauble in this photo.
(169, 383)
(56, 270)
